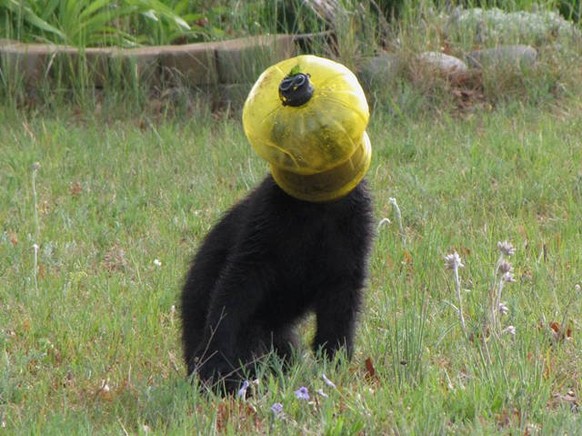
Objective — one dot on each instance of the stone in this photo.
(443, 63)
(30, 63)
(138, 65)
(189, 65)
(203, 65)
(97, 61)
(379, 70)
(242, 60)
(89, 66)
(231, 95)
(4, 42)
(503, 56)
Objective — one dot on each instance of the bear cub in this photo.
(267, 263)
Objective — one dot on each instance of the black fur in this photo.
(269, 261)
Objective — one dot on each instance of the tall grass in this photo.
(102, 203)
(122, 206)
(104, 23)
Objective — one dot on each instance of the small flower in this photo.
(504, 267)
(36, 166)
(506, 248)
(383, 222)
(577, 288)
(328, 381)
(503, 309)
(508, 277)
(302, 393)
(157, 262)
(321, 393)
(277, 409)
(509, 329)
(242, 392)
(105, 387)
(453, 261)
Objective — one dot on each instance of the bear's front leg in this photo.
(337, 311)
(226, 346)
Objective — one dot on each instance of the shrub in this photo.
(84, 23)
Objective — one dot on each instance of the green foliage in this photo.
(170, 22)
(392, 8)
(126, 23)
(99, 23)
(130, 22)
(570, 9)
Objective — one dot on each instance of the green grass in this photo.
(128, 183)
(89, 335)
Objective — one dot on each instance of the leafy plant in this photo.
(170, 22)
(85, 23)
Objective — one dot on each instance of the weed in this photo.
(453, 262)
(129, 189)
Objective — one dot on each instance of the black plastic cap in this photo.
(295, 90)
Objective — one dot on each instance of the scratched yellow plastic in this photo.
(317, 136)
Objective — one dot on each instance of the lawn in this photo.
(99, 218)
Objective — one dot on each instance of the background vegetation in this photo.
(104, 199)
(85, 23)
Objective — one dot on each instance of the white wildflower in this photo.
(503, 309)
(506, 248)
(328, 381)
(504, 267)
(508, 277)
(242, 392)
(453, 261)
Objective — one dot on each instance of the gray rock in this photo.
(503, 56)
(189, 64)
(444, 63)
(379, 70)
(231, 95)
(30, 63)
(141, 65)
(6, 42)
(243, 60)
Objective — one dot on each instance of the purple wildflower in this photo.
(302, 393)
(328, 381)
(508, 277)
(506, 248)
(504, 267)
(242, 392)
(453, 261)
(277, 409)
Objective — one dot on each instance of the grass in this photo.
(105, 196)
(89, 335)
